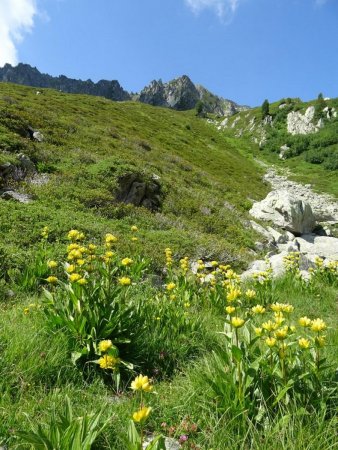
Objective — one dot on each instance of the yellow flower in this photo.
(105, 345)
(134, 239)
(51, 280)
(82, 281)
(187, 305)
(70, 268)
(109, 362)
(282, 333)
(45, 232)
(237, 322)
(81, 262)
(320, 341)
(230, 309)
(26, 311)
(258, 331)
(258, 309)
(304, 343)
(214, 263)
(141, 383)
(142, 414)
(304, 321)
(92, 247)
(110, 238)
(288, 308)
(233, 294)
(74, 254)
(270, 341)
(279, 318)
(125, 281)
(134, 228)
(72, 246)
(74, 235)
(109, 254)
(250, 294)
(52, 264)
(170, 286)
(318, 325)
(269, 326)
(74, 277)
(126, 261)
(277, 307)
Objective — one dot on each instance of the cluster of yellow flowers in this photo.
(141, 384)
(168, 257)
(322, 267)
(291, 262)
(81, 259)
(45, 232)
(110, 360)
(184, 264)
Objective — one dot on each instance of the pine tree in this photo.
(265, 108)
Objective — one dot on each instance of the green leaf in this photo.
(157, 444)
(237, 353)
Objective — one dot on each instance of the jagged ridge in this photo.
(180, 94)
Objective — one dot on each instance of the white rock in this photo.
(285, 211)
(278, 237)
(261, 230)
(322, 246)
(298, 123)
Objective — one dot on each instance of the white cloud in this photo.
(16, 19)
(223, 8)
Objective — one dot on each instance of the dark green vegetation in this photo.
(203, 186)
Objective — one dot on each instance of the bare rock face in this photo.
(182, 94)
(285, 211)
(298, 123)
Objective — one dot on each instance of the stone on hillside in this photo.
(26, 164)
(133, 189)
(322, 246)
(283, 150)
(278, 237)
(285, 211)
(259, 229)
(17, 196)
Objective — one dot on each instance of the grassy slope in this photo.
(90, 141)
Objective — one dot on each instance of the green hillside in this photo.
(123, 317)
(90, 143)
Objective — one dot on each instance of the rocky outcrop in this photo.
(135, 190)
(180, 94)
(183, 94)
(285, 211)
(298, 123)
(30, 76)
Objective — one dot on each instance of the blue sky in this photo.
(245, 50)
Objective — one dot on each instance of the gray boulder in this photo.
(322, 246)
(17, 196)
(286, 211)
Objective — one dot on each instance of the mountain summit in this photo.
(180, 94)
